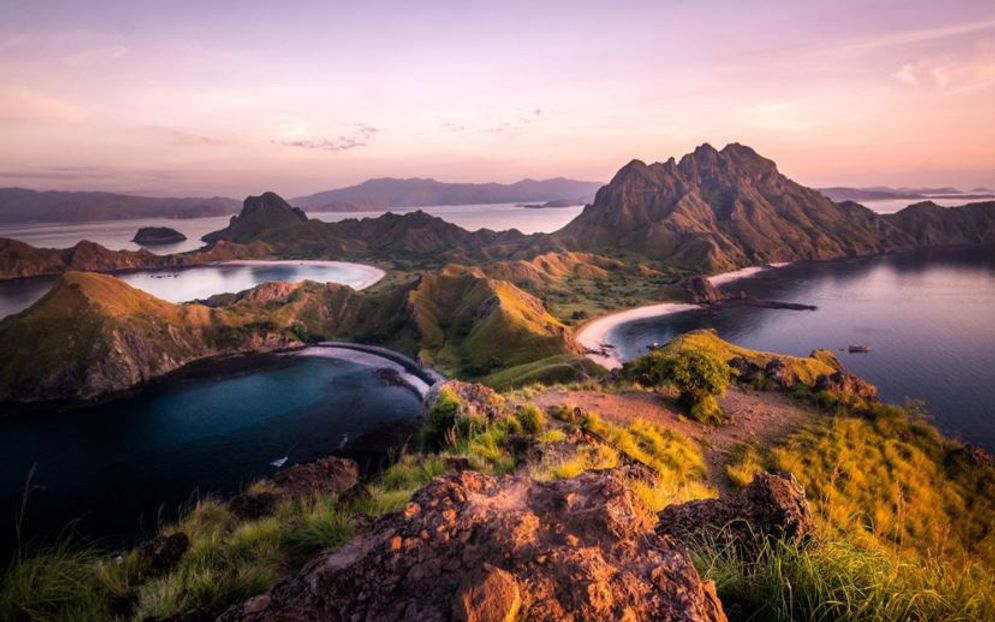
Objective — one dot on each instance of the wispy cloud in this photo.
(517, 123)
(952, 74)
(359, 137)
(97, 56)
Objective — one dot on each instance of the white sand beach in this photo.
(595, 335)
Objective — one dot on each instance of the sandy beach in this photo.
(595, 335)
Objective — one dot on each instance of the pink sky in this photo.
(177, 99)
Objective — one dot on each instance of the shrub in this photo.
(698, 375)
(532, 418)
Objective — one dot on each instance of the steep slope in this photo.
(389, 192)
(263, 213)
(19, 205)
(93, 334)
(718, 209)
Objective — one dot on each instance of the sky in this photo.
(232, 98)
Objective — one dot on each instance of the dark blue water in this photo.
(120, 467)
(929, 317)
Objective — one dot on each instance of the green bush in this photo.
(532, 418)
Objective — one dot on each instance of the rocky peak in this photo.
(261, 213)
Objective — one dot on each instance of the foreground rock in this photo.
(151, 236)
(771, 505)
(475, 547)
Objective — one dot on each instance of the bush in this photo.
(707, 411)
(532, 418)
(442, 418)
(697, 376)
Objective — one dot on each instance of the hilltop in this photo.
(385, 192)
(19, 205)
(93, 334)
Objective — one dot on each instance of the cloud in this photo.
(358, 138)
(949, 73)
(519, 122)
(97, 56)
(21, 103)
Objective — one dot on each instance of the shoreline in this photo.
(594, 334)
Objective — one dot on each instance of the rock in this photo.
(700, 291)
(457, 463)
(476, 547)
(488, 594)
(771, 505)
(255, 506)
(163, 553)
(328, 475)
(844, 383)
(475, 399)
(150, 236)
(780, 374)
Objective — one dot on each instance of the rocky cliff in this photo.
(715, 210)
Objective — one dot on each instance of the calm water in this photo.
(117, 234)
(115, 467)
(203, 281)
(928, 316)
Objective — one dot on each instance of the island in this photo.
(154, 236)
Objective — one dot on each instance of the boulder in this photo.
(843, 382)
(328, 475)
(479, 548)
(771, 505)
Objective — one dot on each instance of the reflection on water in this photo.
(115, 466)
(928, 317)
(204, 281)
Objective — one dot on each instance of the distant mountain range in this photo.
(387, 192)
(877, 193)
(19, 205)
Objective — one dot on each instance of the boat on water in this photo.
(858, 348)
(279, 462)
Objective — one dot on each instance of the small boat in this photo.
(854, 348)
(656, 345)
(279, 462)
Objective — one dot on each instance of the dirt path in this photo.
(758, 418)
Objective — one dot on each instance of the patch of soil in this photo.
(757, 418)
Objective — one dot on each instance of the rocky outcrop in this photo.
(770, 506)
(700, 291)
(151, 236)
(473, 547)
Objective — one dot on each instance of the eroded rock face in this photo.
(474, 547)
(700, 291)
(845, 383)
(771, 505)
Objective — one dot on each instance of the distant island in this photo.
(882, 193)
(558, 203)
(382, 193)
(152, 236)
(19, 205)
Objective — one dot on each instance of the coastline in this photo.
(594, 334)
(375, 274)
